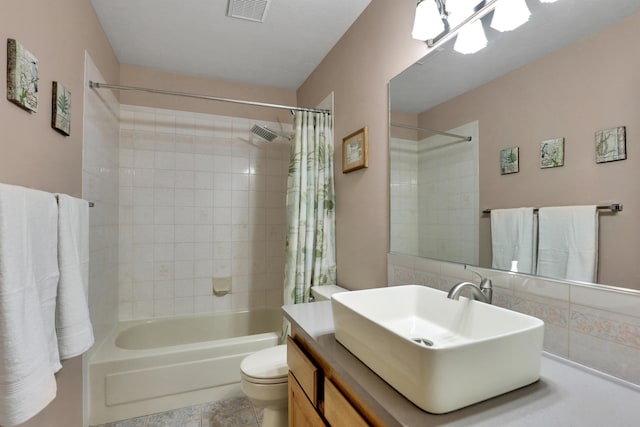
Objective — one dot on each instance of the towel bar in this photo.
(614, 207)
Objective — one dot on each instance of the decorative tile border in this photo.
(620, 329)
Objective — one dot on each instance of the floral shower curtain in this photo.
(310, 252)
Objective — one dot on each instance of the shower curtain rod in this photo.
(97, 85)
(453, 135)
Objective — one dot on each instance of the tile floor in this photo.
(237, 412)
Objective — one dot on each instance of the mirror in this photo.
(569, 72)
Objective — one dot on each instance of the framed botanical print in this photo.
(355, 151)
(61, 109)
(510, 160)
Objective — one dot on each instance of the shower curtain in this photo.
(310, 250)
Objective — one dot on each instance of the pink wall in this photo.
(358, 69)
(34, 155)
(149, 78)
(571, 93)
(57, 33)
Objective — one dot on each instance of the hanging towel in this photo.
(73, 325)
(568, 246)
(513, 239)
(28, 285)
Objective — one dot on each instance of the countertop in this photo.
(567, 394)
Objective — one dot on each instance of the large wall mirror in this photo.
(572, 70)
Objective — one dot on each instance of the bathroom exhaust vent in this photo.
(251, 10)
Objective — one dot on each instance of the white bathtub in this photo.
(155, 365)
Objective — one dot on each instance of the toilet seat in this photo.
(268, 366)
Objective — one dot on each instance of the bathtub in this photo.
(156, 365)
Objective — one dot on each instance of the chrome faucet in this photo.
(483, 292)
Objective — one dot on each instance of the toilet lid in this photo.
(266, 366)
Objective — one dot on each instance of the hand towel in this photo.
(513, 239)
(568, 247)
(28, 284)
(73, 325)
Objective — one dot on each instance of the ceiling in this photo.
(196, 37)
(444, 73)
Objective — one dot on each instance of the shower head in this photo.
(266, 133)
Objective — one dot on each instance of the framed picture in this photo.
(611, 144)
(61, 109)
(355, 151)
(22, 76)
(552, 153)
(510, 160)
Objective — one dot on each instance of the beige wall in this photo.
(155, 79)
(57, 33)
(376, 48)
(34, 155)
(571, 93)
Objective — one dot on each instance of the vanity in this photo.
(330, 386)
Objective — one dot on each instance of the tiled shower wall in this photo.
(201, 200)
(448, 196)
(597, 326)
(403, 155)
(434, 190)
(100, 185)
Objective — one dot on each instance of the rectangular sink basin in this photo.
(440, 354)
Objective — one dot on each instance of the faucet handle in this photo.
(466, 267)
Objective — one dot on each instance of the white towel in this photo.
(513, 239)
(28, 284)
(73, 325)
(568, 246)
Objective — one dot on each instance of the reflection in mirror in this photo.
(437, 177)
(570, 72)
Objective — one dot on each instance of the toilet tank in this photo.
(323, 293)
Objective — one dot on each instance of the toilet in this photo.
(264, 382)
(264, 374)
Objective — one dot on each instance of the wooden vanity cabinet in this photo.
(301, 411)
(337, 410)
(314, 400)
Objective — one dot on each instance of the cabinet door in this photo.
(337, 409)
(303, 369)
(301, 412)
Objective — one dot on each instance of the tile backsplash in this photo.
(200, 198)
(597, 326)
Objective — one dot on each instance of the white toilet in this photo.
(264, 374)
(264, 382)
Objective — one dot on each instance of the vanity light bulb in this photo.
(548, 1)
(509, 15)
(428, 23)
(471, 38)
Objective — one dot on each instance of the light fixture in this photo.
(471, 38)
(548, 1)
(458, 11)
(509, 15)
(428, 22)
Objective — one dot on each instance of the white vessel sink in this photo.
(440, 354)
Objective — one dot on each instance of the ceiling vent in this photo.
(251, 10)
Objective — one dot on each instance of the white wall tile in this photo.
(183, 251)
(203, 180)
(164, 178)
(164, 160)
(184, 192)
(143, 159)
(185, 161)
(221, 181)
(184, 179)
(144, 121)
(615, 300)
